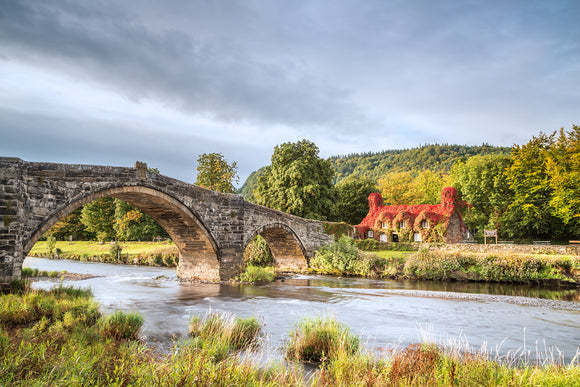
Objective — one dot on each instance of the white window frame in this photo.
(383, 238)
(425, 223)
(417, 237)
(401, 224)
(370, 234)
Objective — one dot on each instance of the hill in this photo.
(437, 158)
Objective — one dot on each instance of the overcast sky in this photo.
(112, 82)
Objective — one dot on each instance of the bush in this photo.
(50, 245)
(316, 338)
(115, 251)
(258, 274)
(121, 325)
(342, 257)
(258, 253)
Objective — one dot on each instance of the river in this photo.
(504, 319)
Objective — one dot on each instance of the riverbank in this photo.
(131, 253)
(72, 342)
(343, 258)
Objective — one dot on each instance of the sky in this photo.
(110, 82)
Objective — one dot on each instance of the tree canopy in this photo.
(353, 192)
(214, 172)
(298, 182)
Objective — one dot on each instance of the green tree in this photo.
(70, 225)
(428, 185)
(563, 168)
(298, 182)
(214, 172)
(530, 215)
(482, 182)
(99, 217)
(132, 224)
(353, 192)
(397, 188)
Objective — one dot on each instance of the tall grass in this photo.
(316, 339)
(257, 274)
(56, 338)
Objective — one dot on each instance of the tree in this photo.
(397, 188)
(214, 172)
(131, 224)
(99, 217)
(530, 215)
(353, 193)
(482, 182)
(563, 168)
(70, 225)
(298, 182)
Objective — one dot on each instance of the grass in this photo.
(140, 253)
(56, 337)
(343, 258)
(252, 274)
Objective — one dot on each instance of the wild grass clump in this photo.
(258, 274)
(122, 325)
(318, 339)
(340, 257)
(220, 334)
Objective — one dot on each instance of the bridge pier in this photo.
(210, 229)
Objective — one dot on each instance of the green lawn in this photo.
(94, 248)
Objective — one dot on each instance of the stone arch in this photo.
(287, 248)
(198, 250)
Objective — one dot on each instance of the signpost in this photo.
(489, 234)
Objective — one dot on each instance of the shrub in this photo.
(26, 272)
(341, 256)
(121, 325)
(115, 251)
(258, 274)
(316, 338)
(50, 245)
(258, 253)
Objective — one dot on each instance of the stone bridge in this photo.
(210, 229)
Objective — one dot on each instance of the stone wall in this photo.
(210, 229)
(512, 249)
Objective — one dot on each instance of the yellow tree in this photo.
(214, 172)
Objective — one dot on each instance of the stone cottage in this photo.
(415, 223)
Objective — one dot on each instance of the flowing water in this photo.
(505, 319)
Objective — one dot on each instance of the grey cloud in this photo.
(215, 78)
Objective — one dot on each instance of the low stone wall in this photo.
(513, 249)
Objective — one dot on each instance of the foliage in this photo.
(338, 229)
(298, 182)
(253, 274)
(99, 217)
(482, 182)
(132, 224)
(257, 253)
(437, 158)
(563, 168)
(529, 213)
(71, 225)
(115, 250)
(214, 172)
(50, 245)
(318, 339)
(341, 256)
(247, 189)
(353, 192)
(412, 187)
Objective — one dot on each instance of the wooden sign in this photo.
(489, 234)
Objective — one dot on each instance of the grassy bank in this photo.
(60, 337)
(344, 258)
(131, 253)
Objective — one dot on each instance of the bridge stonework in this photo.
(210, 229)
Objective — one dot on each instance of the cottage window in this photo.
(383, 225)
(370, 234)
(383, 237)
(402, 224)
(425, 223)
(417, 237)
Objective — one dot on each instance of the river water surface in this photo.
(505, 319)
